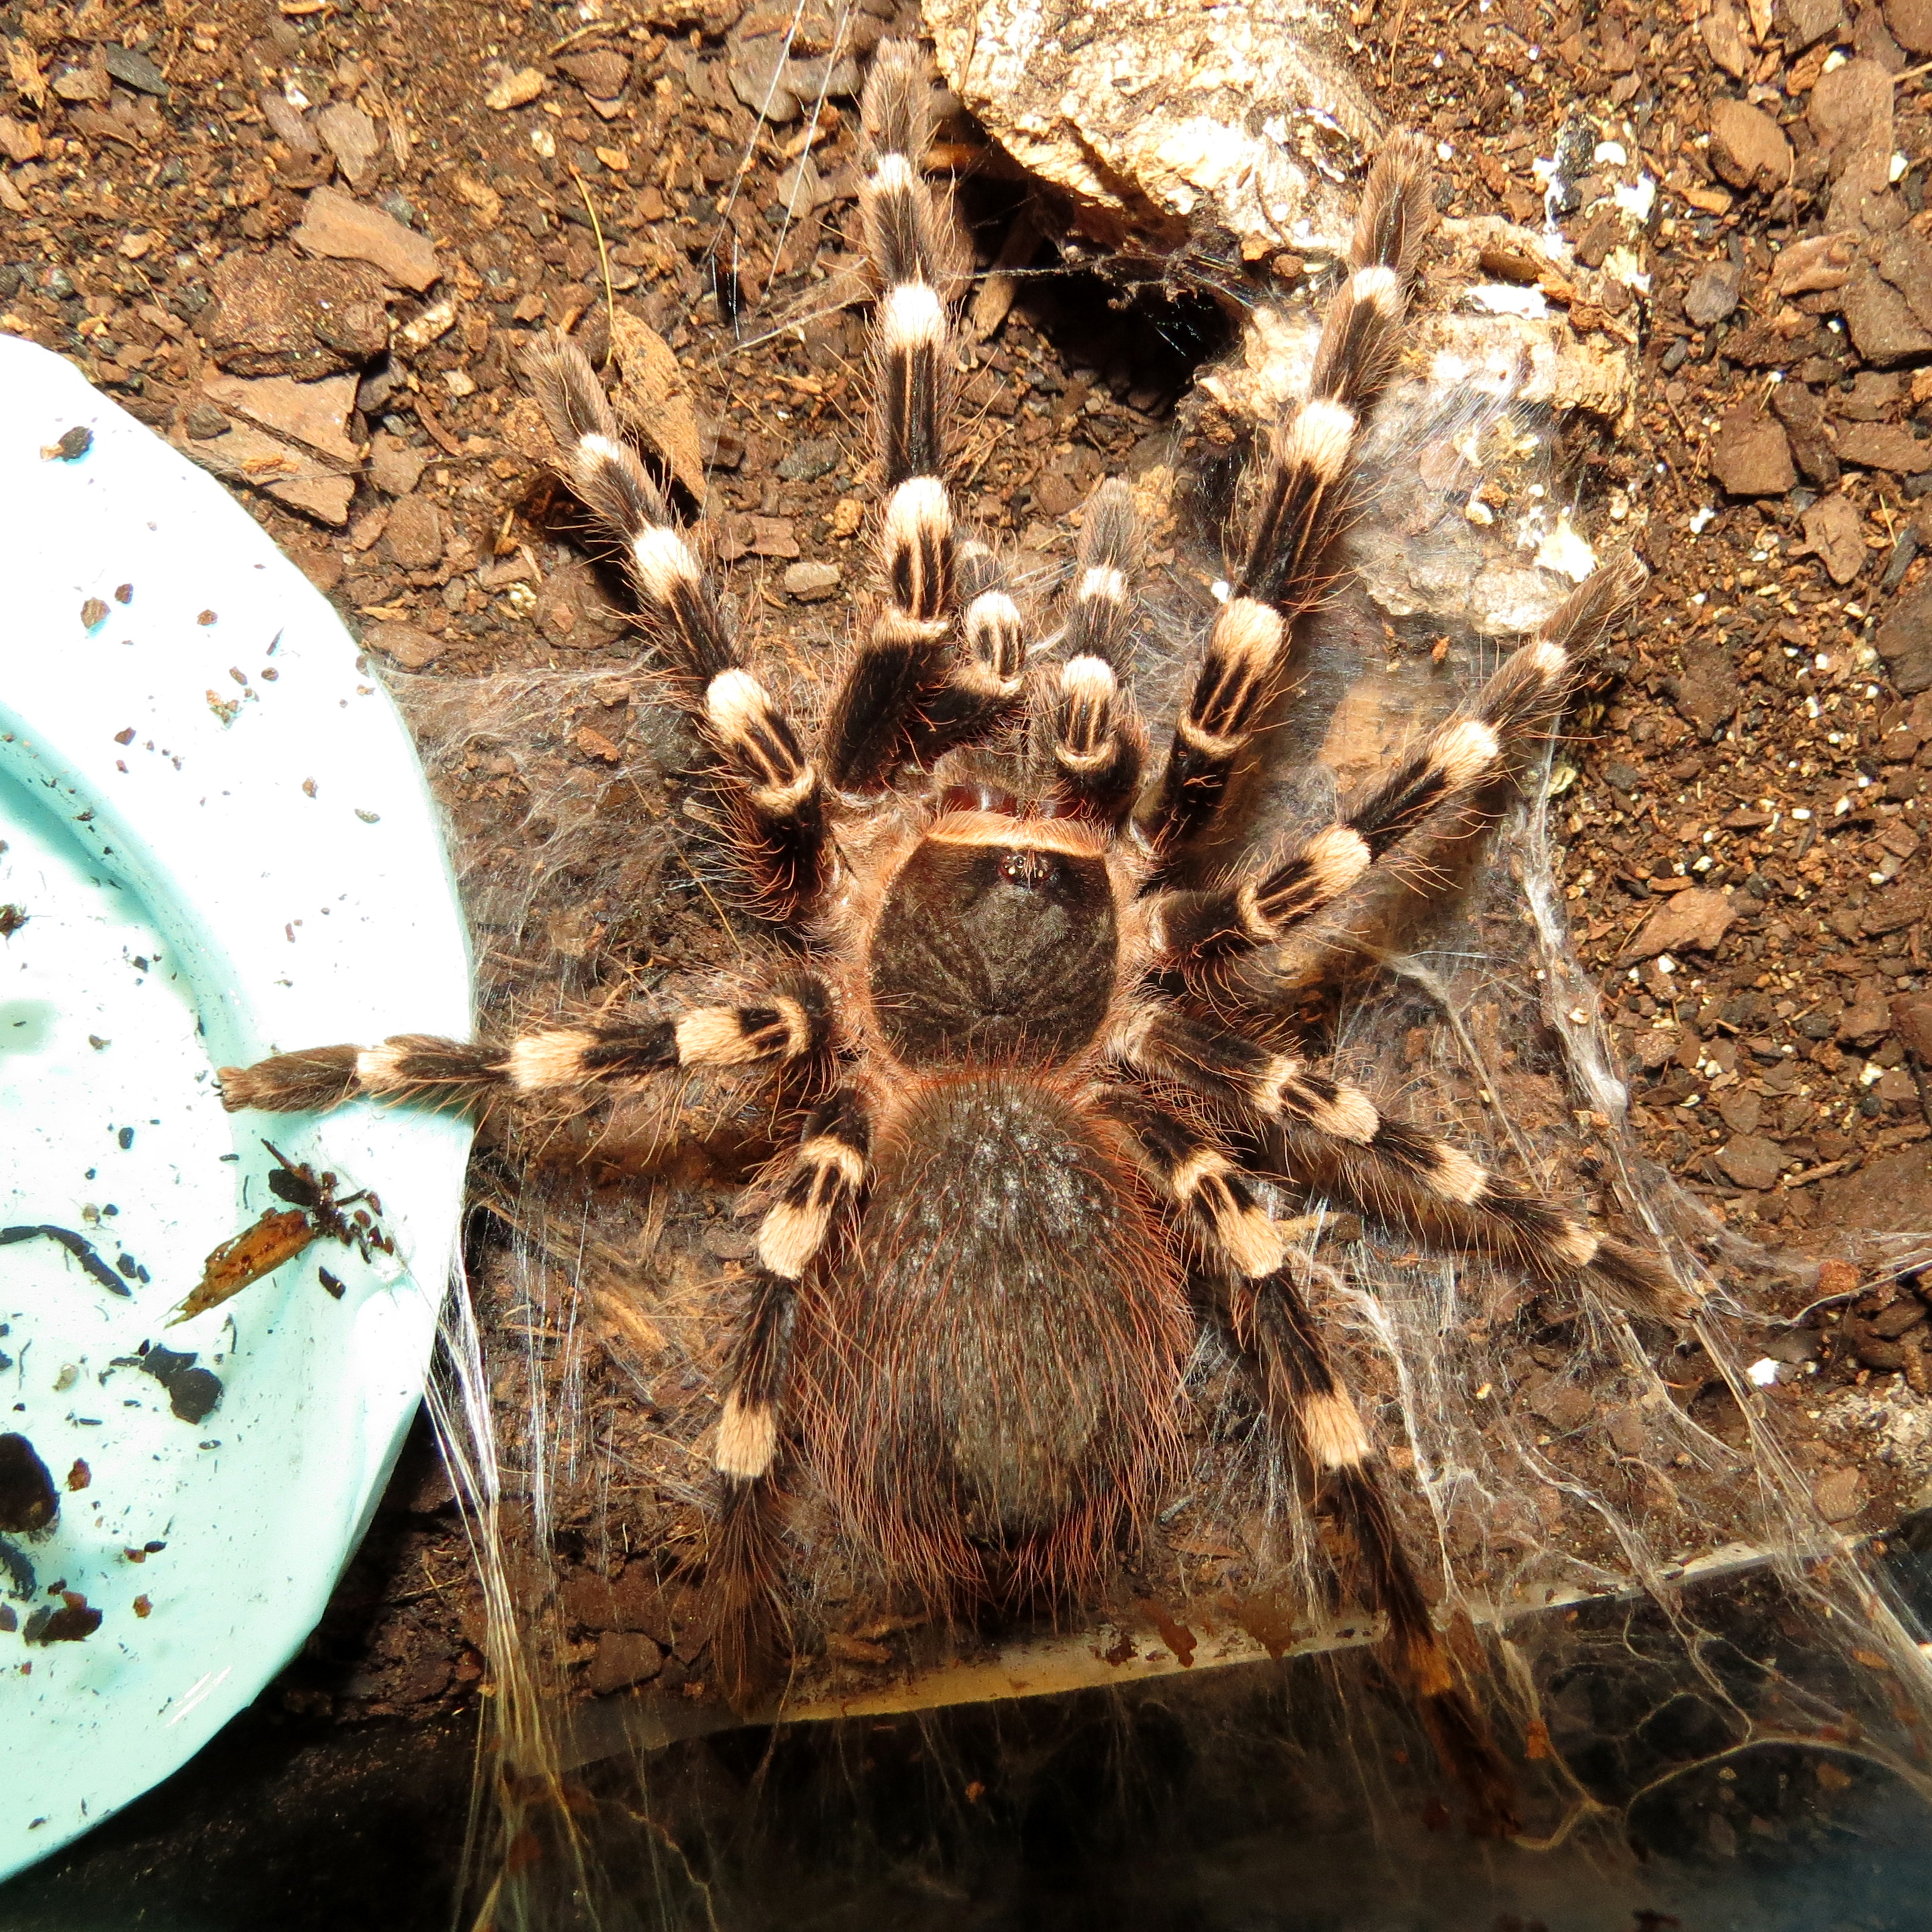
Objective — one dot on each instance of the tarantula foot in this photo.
(292, 1083)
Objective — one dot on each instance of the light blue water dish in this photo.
(217, 844)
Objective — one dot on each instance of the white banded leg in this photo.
(793, 1024)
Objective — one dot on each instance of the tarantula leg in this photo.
(1522, 698)
(827, 1170)
(1402, 1174)
(1098, 741)
(985, 682)
(1307, 498)
(1396, 1171)
(1162, 1043)
(1308, 1407)
(903, 658)
(793, 1024)
(774, 792)
(1306, 1404)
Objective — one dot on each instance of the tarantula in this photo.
(1038, 1097)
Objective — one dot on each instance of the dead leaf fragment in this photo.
(280, 1235)
(654, 398)
(1696, 919)
(23, 69)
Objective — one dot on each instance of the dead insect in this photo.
(281, 1234)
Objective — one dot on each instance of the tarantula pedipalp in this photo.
(1037, 1100)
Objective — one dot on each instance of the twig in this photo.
(603, 262)
(613, 27)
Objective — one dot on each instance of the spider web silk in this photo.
(1606, 1557)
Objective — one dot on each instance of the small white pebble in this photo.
(1763, 1372)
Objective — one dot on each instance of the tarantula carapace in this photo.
(1039, 1101)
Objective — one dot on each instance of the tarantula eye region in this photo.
(1037, 871)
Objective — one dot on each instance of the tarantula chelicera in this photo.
(1041, 1091)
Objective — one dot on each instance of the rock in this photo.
(1912, 1021)
(1741, 1110)
(1850, 108)
(1724, 40)
(1707, 693)
(1905, 260)
(1893, 911)
(763, 65)
(20, 140)
(1563, 1404)
(1628, 1433)
(334, 226)
(773, 537)
(1140, 114)
(136, 72)
(264, 462)
(1867, 1020)
(395, 467)
(1883, 446)
(1747, 147)
(1803, 416)
(1808, 21)
(1696, 918)
(285, 123)
(1904, 642)
(83, 83)
(403, 644)
(204, 422)
(314, 413)
(602, 75)
(634, 1601)
(1881, 321)
(278, 315)
(1911, 24)
(1817, 263)
(622, 1658)
(414, 537)
(809, 460)
(1873, 397)
(1835, 535)
(1891, 1194)
(811, 583)
(350, 136)
(1750, 455)
(1752, 1161)
(516, 88)
(1837, 1492)
(1714, 295)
